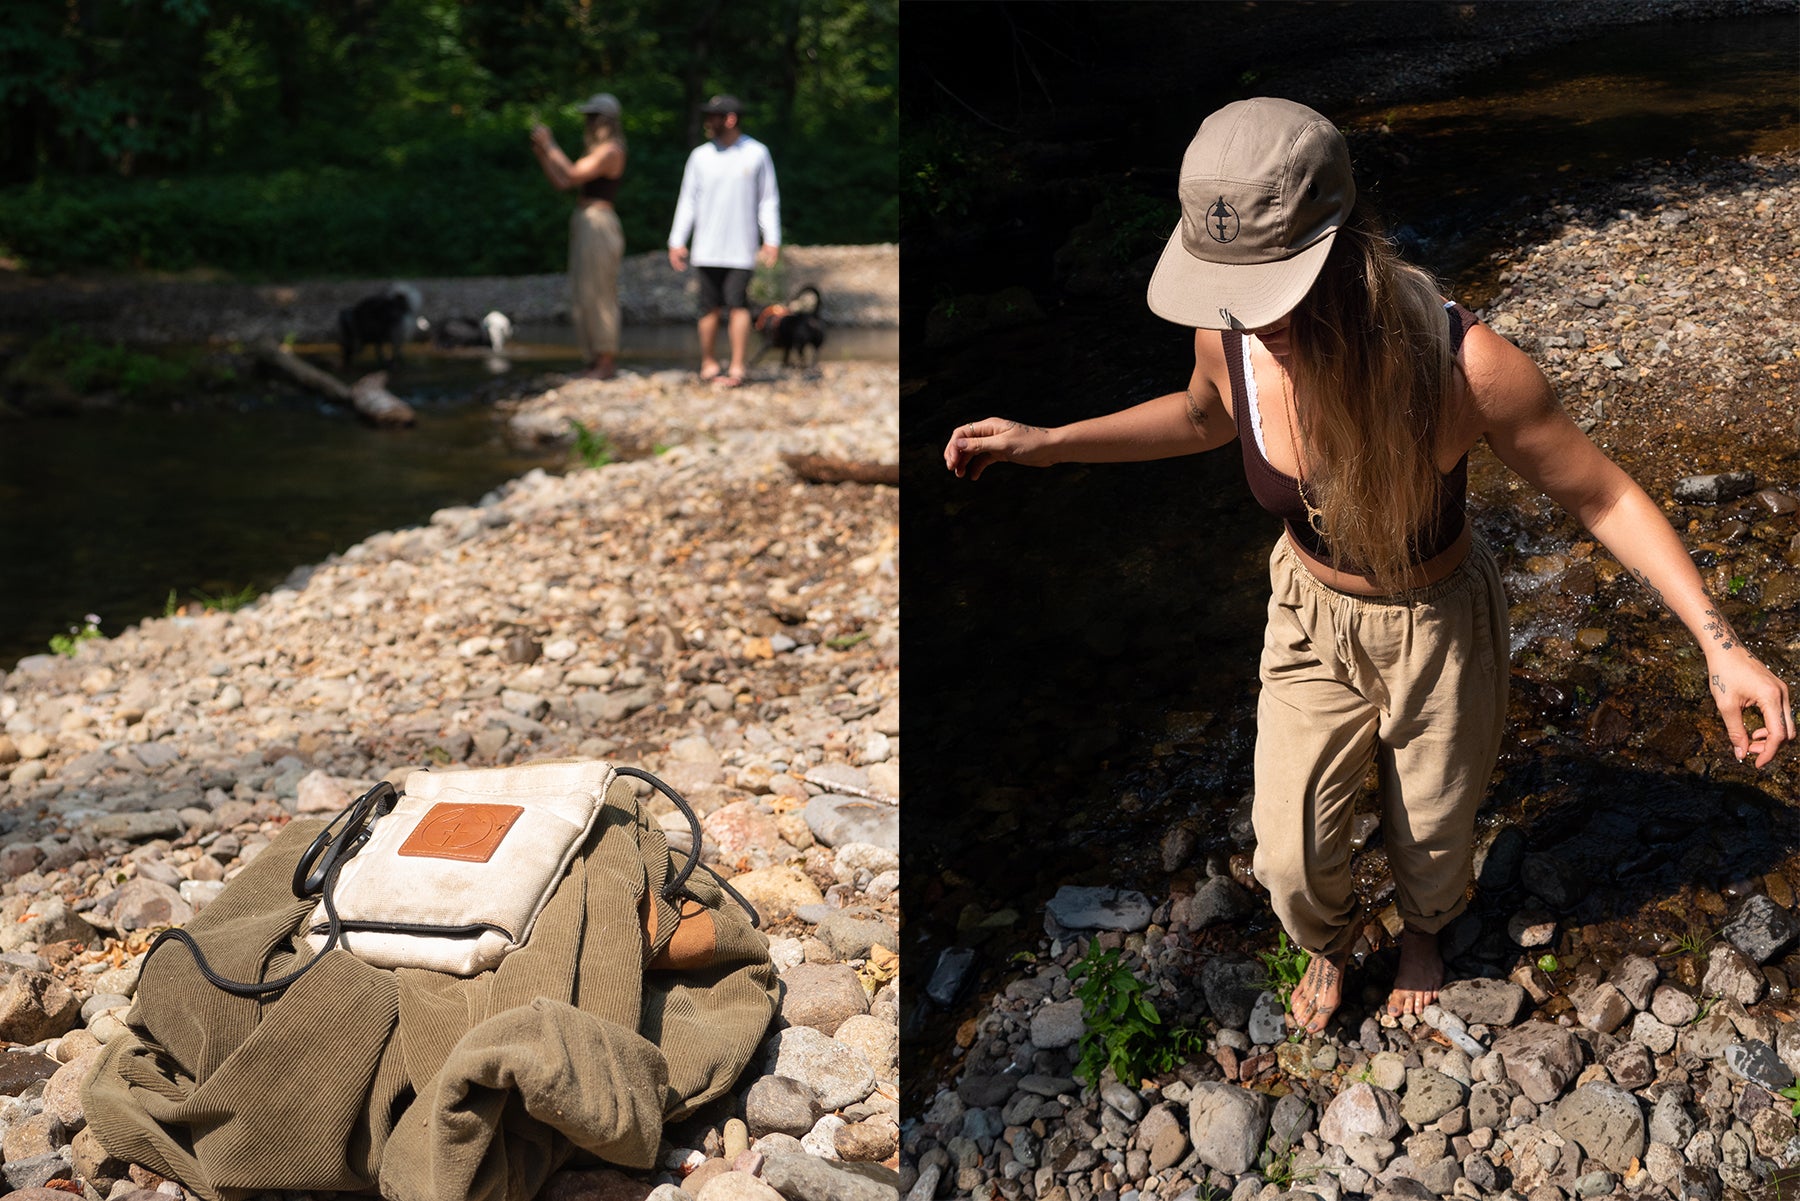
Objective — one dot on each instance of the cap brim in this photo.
(1194, 292)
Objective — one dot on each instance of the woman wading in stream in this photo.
(596, 243)
(1356, 392)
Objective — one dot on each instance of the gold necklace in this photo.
(1315, 516)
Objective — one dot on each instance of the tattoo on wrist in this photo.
(1020, 425)
(1644, 581)
(1717, 683)
(1720, 629)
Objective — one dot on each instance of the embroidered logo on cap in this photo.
(1221, 221)
(461, 831)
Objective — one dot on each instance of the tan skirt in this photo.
(596, 244)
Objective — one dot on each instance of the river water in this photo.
(1082, 641)
(110, 510)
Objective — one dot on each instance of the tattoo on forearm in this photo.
(1644, 580)
(1720, 629)
(1196, 414)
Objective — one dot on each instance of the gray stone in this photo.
(1756, 1061)
(1674, 1007)
(39, 919)
(1635, 977)
(821, 995)
(1603, 1008)
(1058, 1024)
(1165, 1135)
(837, 1075)
(1670, 1122)
(1651, 1033)
(1122, 1099)
(1761, 929)
(850, 936)
(836, 820)
(1552, 879)
(1362, 1109)
(1731, 973)
(1429, 1096)
(801, 1177)
(1231, 984)
(35, 1006)
(1711, 489)
(1220, 899)
(143, 904)
(1095, 908)
(1607, 1123)
(1540, 1058)
(1226, 1125)
(1369, 1153)
(1404, 1188)
(1482, 1001)
(1707, 1037)
(36, 1172)
(1631, 1066)
(139, 827)
(1292, 1118)
(1268, 1020)
(954, 972)
(1488, 1106)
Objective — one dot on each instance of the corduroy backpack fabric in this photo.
(624, 1009)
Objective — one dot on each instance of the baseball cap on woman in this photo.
(600, 104)
(1265, 185)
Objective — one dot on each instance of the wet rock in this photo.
(1226, 1126)
(1731, 973)
(1761, 929)
(1635, 977)
(1482, 1001)
(1231, 984)
(1674, 1007)
(1267, 1024)
(1711, 489)
(1757, 1062)
(1606, 1122)
(1540, 1058)
(1090, 908)
(1552, 879)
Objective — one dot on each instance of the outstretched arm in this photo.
(1534, 436)
(1180, 423)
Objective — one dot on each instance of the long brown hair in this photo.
(600, 129)
(1372, 361)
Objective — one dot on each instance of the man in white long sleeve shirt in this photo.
(731, 208)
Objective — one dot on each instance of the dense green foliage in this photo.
(1123, 1030)
(275, 137)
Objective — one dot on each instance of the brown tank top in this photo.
(1280, 493)
(601, 188)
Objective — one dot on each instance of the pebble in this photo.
(636, 605)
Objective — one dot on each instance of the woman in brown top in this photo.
(1386, 641)
(596, 243)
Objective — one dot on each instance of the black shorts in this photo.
(724, 287)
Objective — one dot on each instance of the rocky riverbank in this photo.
(1621, 1019)
(860, 285)
(697, 611)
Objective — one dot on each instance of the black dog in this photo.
(793, 327)
(390, 319)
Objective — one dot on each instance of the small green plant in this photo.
(844, 642)
(171, 606)
(1283, 967)
(67, 644)
(1547, 963)
(1792, 1093)
(592, 447)
(1278, 1168)
(1124, 1031)
(1735, 585)
(226, 602)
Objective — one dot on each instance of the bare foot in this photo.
(709, 369)
(1317, 996)
(1420, 975)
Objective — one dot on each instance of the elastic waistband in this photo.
(1462, 579)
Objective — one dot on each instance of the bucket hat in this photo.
(600, 103)
(1265, 185)
(720, 105)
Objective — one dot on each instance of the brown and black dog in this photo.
(793, 327)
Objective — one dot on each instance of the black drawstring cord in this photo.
(674, 886)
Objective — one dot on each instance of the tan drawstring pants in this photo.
(596, 244)
(1416, 685)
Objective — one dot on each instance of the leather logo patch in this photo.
(461, 831)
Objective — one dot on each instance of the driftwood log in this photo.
(820, 469)
(368, 396)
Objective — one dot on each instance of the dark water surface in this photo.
(106, 511)
(1082, 641)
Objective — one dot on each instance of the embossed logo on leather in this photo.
(454, 830)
